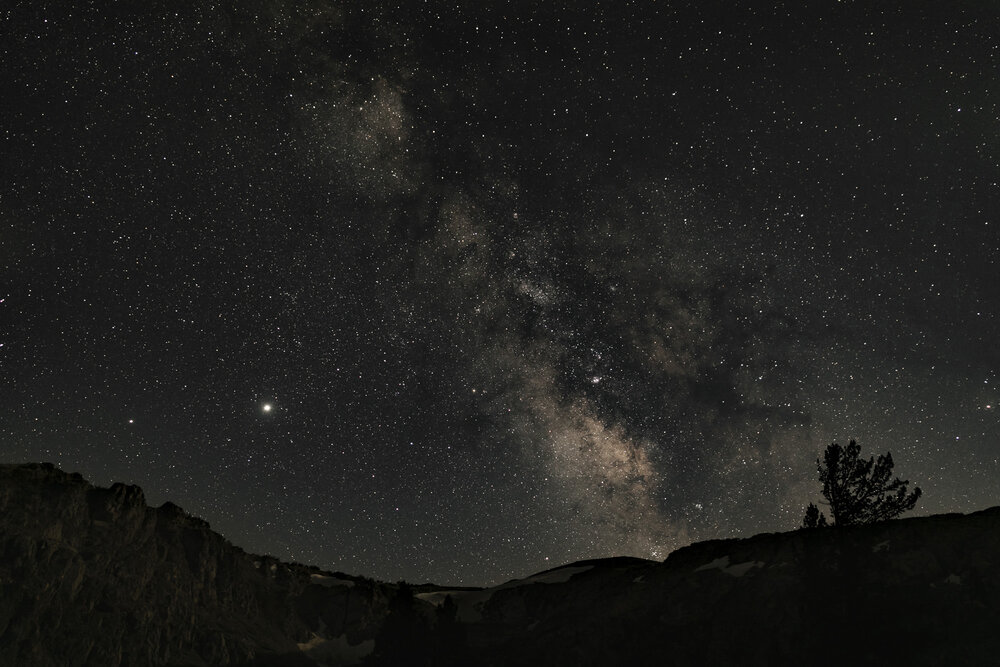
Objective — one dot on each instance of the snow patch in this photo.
(336, 651)
(330, 582)
(735, 570)
(740, 569)
(471, 603)
(716, 564)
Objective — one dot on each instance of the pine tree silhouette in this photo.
(859, 491)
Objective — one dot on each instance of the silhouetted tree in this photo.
(858, 491)
(403, 638)
(814, 518)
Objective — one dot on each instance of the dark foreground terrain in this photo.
(93, 576)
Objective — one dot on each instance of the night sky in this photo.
(451, 292)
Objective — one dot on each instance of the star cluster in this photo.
(453, 291)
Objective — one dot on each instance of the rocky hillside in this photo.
(921, 591)
(92, 576)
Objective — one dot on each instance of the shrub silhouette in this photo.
(814, 518)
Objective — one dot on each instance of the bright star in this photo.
(266, 407)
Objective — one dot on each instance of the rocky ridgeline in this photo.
(920, 591)
(92, 576)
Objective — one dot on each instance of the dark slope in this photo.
(92, 576)
(922, 591)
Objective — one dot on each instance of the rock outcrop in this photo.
(92, 576)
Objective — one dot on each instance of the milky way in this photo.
(460, 292)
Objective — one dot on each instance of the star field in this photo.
(451, 292)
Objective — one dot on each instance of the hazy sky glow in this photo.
(457, 293)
